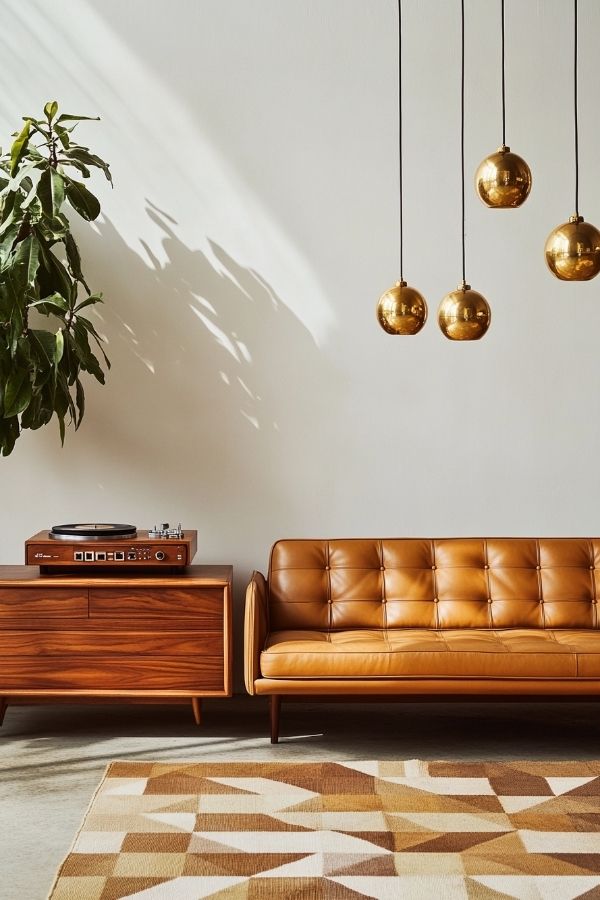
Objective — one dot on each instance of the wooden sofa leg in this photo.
(275, 710)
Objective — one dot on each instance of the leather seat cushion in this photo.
(422, 653)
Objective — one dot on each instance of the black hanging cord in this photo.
(503, 83)
(575, 105)
(400, 133)
(462, 129)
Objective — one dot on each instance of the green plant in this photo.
(40, 276)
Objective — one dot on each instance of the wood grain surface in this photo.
(31, 576)
(110, 643)
(43, 602)
(194, 674)
(168, 602)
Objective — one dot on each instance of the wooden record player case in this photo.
(113, 636)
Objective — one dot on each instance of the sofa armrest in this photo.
(256, 627)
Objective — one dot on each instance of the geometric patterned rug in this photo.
(343, 830)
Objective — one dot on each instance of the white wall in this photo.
(252, 227)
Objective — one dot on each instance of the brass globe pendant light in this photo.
(401, 309)
(573, 249)
(464, 314)
(503, 179)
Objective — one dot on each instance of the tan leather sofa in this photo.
(456, 617)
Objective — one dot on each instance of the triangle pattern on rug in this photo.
(545, 887)
(567, 785)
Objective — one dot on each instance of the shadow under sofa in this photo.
(420, 618)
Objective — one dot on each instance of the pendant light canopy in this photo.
(503, 180)
(573, 249)
(464, 314)
(401, 309)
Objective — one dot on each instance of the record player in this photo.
(110, 546)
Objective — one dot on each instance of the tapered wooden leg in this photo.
(3, 708)
(197, 709)
(275, 710)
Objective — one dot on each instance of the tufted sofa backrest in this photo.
(435, 583)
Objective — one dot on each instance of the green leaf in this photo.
(10, 296)
(76, 165)
(46, 411)
(55, 301)
(52, 275)
(89, 363)
(55, 229)
(27, 260)
(67, 118)
(17, 393)
(89, 301)
(91, 330)
(43, 344)
(50, 109)
(9, 432)
(74, 260)
(42, 129)
(80, 401)
(82, 200)
(19, 147)
(31, 194)
(59, 346)
(11, 210)
(83, 155)
(51, 191)
(63, 136)
(6, 243)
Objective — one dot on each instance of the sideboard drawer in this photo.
(204, 604)
(101, 674)
(174, 644)
(42, 603)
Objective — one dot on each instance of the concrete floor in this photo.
(52, 757)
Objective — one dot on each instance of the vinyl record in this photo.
(93, 531)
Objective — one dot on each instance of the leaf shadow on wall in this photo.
(218, 395)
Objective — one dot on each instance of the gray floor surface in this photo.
(53, 757)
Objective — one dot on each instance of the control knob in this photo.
(159, 555)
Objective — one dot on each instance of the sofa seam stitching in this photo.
(435, 586)
(383, 592)
(539, 580)
(329, 615)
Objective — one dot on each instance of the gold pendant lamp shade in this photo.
(503, 180)
(401, 309)
(573, 249)
(464, 314)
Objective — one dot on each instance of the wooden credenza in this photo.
(127, 637)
